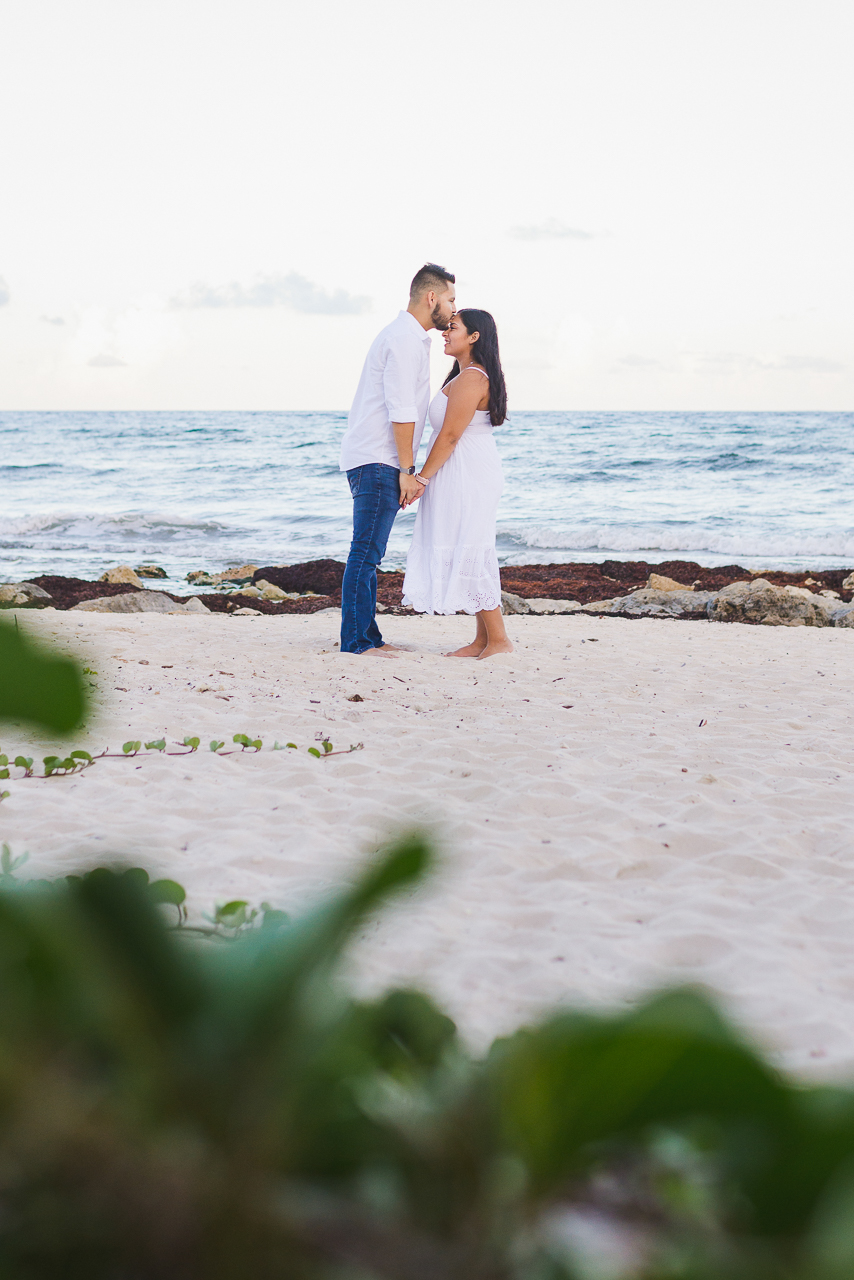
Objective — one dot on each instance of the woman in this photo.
(452, 564)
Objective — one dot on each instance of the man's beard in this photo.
(439, 322)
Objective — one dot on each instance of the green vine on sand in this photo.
(228, 920)
(78, 761)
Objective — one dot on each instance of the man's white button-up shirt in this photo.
(394, 387)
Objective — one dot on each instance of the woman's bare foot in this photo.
(499, 646)
(473, 650)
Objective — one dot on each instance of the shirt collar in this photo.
(409, 318)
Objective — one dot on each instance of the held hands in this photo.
(410, 490)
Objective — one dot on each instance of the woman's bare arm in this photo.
(464, 395)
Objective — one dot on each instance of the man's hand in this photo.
(410, 501)
(410, 489)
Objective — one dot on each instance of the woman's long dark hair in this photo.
(485, 353)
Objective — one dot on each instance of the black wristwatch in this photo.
(407, 471)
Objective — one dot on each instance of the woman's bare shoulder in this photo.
(467, 387)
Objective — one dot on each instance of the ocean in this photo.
(82, 491)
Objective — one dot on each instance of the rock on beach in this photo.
(24, 595)
(762, 603)
(647, 603)
(122, 573)
(140, 602)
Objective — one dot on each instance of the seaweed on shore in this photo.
(579, 581)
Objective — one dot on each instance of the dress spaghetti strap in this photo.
(475, 368)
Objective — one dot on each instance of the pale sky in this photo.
(216, 204)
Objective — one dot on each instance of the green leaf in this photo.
(192, 742)
(158, 744)
(313, 751)
(4, 759)
(327, 746)
(36, 686)
(233, 915)
(215, 745)
(292, 746)
(241, 739)
(24, 762)
(579, 1080)
(137, 876)
(4, 795)
(131, 748)
(4, 773)
(257, 744)
(8, 864)
(82, 755)
(167, 891)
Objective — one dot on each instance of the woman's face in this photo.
(458, 341)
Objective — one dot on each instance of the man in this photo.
(379, 446)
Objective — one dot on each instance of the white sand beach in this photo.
(620, 804)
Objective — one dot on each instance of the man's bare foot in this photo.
(473, 650)
(387, 649)
(491, 650)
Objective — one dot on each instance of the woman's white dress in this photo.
(452, 564)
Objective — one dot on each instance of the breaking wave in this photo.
(633, 539)
(92, 526)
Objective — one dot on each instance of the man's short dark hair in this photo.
(431, 276)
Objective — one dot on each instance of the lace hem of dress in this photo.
(452, 580)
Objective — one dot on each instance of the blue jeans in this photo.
(376, 501)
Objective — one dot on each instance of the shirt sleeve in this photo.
(400, 380)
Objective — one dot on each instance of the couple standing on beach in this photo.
(452, 565)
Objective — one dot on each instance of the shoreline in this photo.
(316, 585)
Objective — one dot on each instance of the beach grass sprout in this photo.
(8, 864)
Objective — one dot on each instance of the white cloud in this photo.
(292, 290)
(52, 319)
(731, 362)
(551, 229)
(4, 293)
(640, 362)
(104, 361)
(809, 364)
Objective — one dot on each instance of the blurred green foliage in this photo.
(36, 686)
(173, 1108)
